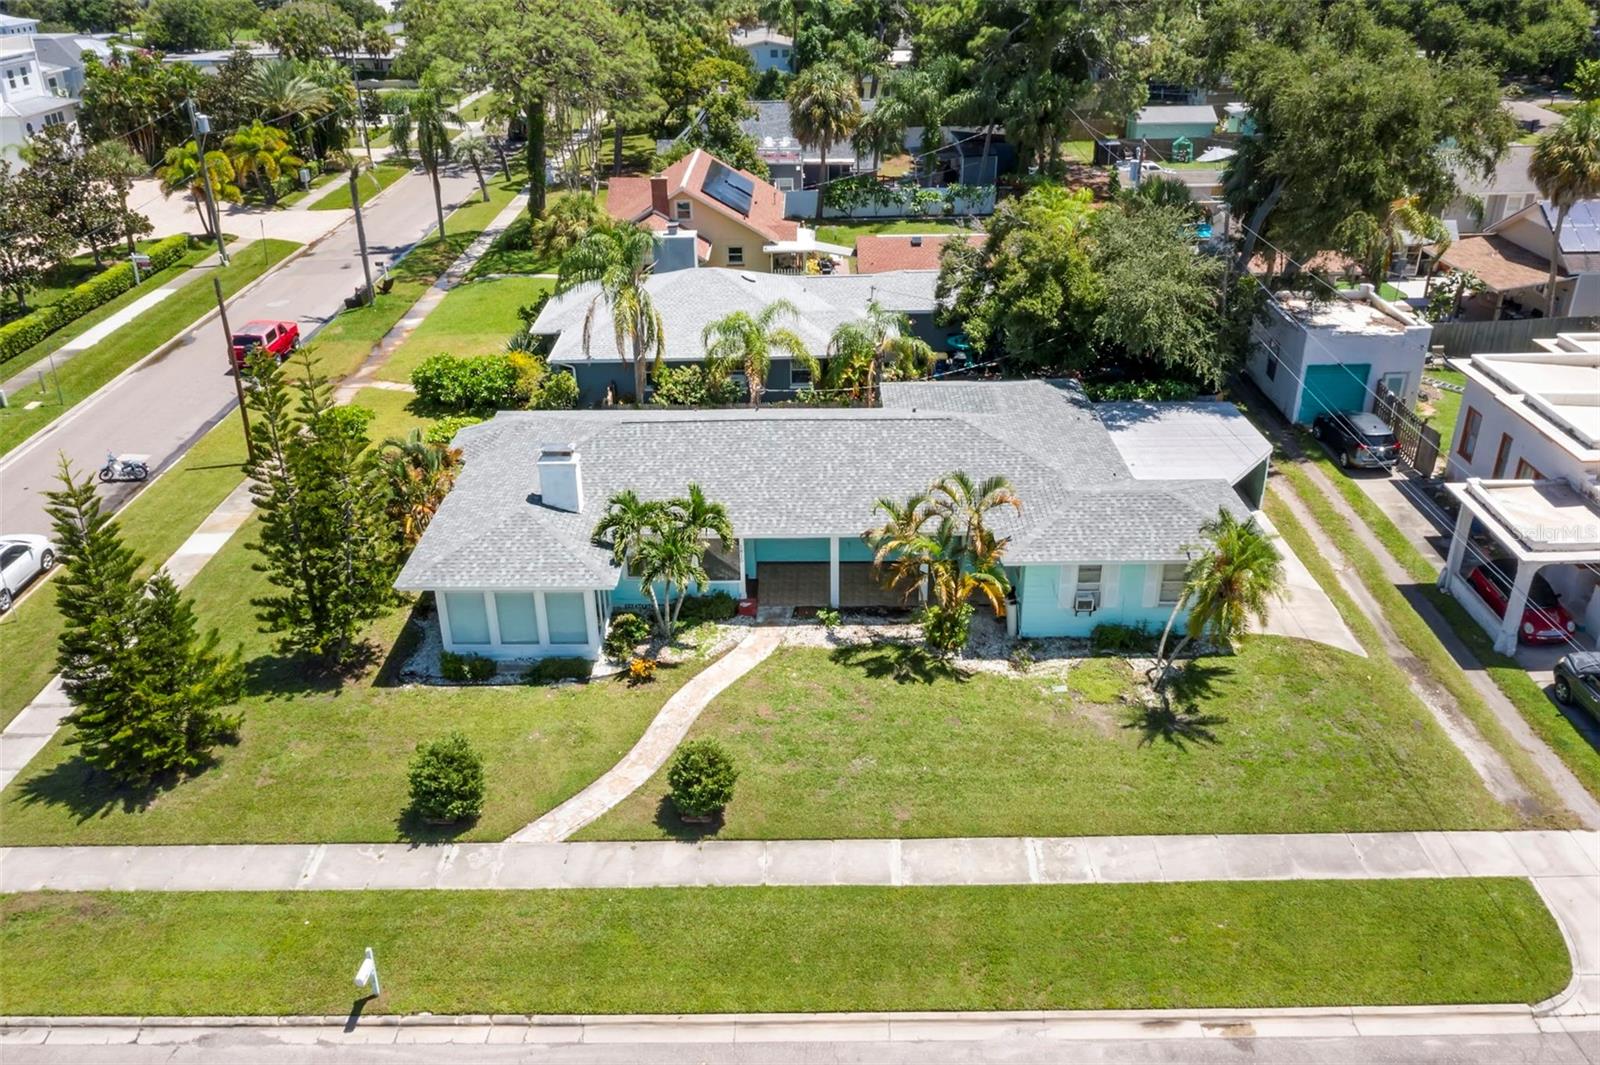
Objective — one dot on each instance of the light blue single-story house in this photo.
(516, 574)
(1168, 122)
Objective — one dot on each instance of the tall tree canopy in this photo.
(1350, 118)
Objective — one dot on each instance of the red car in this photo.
(276, 338)
(1544, 619)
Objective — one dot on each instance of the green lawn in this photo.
(88, 370)
(62, 278)
(373, 181)
(1546, 719)
(479, 107)
(18, 364)
(1446, 408)
(321, 181)
(155, 523)
(714, 950)
(473, 319)
(845, 233)
(1287, 737)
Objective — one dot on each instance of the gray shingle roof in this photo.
(772, 130)
(794, 472)
(689, 300)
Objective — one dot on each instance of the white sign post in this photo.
(367, 974)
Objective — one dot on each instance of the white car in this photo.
(22, 558)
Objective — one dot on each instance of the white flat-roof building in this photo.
(1526, 458)
(1331, 354)
(33, 93)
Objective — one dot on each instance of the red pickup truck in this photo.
(276, 338)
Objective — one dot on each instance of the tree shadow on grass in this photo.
(1197, 680)
(668, 821)
(1179, 726)
(286, 675)
(901, 663)
(412, 828)
(87, 793)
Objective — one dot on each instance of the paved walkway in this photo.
(660, 739)
(1304, 610)
(1563, 866)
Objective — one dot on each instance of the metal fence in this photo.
(1473, 338)
(1419, 441)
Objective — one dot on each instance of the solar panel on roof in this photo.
(1581, 233)
(729, 188)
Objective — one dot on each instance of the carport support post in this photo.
(1506, 640)
(1458, 548)
(833, 572)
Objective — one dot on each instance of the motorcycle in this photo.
(125, 468)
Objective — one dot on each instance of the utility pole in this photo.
(361, 232)
(361, 113)
(238, 371)
(201, 125)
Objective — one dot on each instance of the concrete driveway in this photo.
(1304, 610)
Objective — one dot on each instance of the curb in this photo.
(1208, 1016)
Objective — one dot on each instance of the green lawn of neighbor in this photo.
(473, 319)
(845, 233)
(155, 524)
(1446, 407)
(754, 949)
(16, 365)
(373, 181)
(321, 181)
(88, 370)
(326, 761)
(62, 278)
(478, 108)
(1288, 736)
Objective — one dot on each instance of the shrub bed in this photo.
(22, 334)
(555, 670)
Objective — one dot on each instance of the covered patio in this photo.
(796, 256)
(1545, 525)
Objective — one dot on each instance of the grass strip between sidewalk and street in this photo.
(1419, 639)
(770, 949)
(373, 180)
(1536, 708)
(87, 371)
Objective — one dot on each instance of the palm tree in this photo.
(618, 259)
(420, 475)
(567, 220)
(876, 348)
(180, 170)
(824, 109)
(473, 150)
(967, 504)
(282, 91)
(1566, 168)
(1224, 588)
(922, 97)
(673, 560)
(748, 341)
(880, 133)
(627, 524)
(260, 152)
(895, 560)
(703, 518)
(421, 116)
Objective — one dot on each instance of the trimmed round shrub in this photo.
(627, 631)
(701, 777)
(945, 628)
(557, 669)
(641, 670)
(447, 780)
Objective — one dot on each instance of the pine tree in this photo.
(145, 690)
(325, 536)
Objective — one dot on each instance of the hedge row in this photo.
(22, 334)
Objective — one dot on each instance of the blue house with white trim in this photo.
(512, 563)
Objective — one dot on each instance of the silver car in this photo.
(22, 558)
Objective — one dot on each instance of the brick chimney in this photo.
(658, 196)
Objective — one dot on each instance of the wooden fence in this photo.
(1419, 441)
(1476, 338)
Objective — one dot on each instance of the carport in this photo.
(1198, 440)
(1548, 526)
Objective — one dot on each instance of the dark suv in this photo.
(1357, 439)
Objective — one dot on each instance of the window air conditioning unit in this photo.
(1085, 602)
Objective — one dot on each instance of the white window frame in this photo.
(1405, 381)
(499, 649)
(683, 210)
(799, 376)
(736, 255)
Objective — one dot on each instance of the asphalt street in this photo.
(165, 405)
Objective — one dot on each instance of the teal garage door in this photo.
(1335, 388)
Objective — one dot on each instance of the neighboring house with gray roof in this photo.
(510, 558)
(690, 300)
(793, 165)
